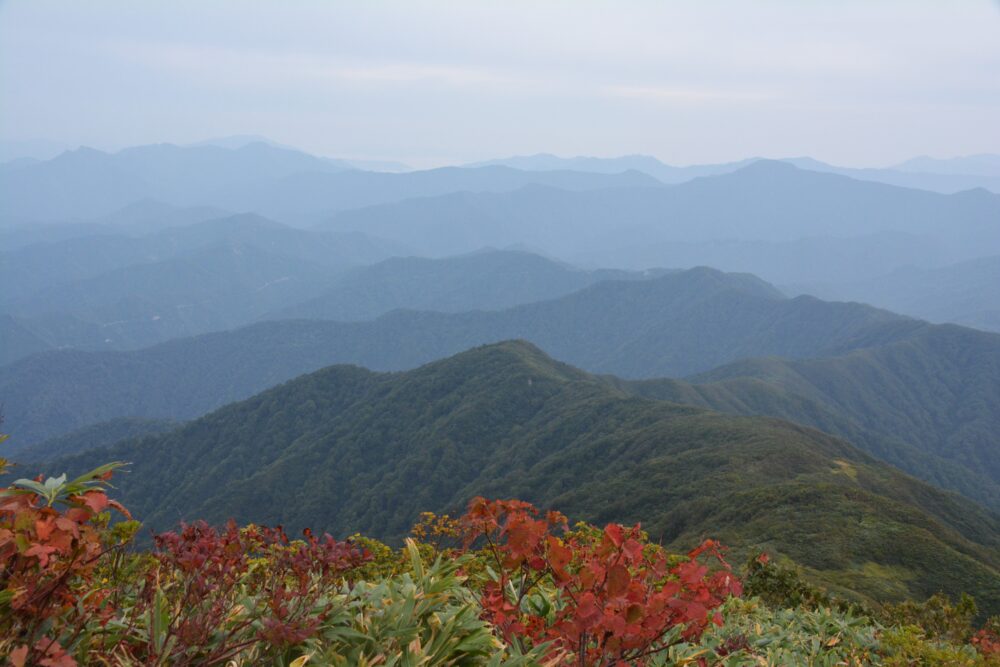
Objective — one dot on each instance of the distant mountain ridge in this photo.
(128, 291)
(945, 176)
(487, 280)
(982, 165)
(276, 182)
(766, 201)
(675, 324)
(966, 293)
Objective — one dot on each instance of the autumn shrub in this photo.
(504, 585)
(215, 595)
(53, 533)
(595, 598)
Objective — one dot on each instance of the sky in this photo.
(852, 82)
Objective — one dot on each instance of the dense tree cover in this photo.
(349, 450)
(938, 389)
(516, 589)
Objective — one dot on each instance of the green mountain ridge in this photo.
(918, 396)
(346, 449)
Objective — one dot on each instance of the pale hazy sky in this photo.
(856, 82)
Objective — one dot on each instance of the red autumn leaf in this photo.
(41, 552)
(95, 500)
(559, 554)
(19, 656)
(614, 533)
(44, 528)
(618, 581)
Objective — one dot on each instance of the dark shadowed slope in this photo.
(348, 450)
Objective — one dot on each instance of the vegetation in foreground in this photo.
(503, 585)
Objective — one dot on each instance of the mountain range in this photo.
(798, 214)
(965, 293)
(920, 396)
(348, 450)
(126, 291)
(945, 176)
(285, 184)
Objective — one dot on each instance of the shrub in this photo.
(597, 597)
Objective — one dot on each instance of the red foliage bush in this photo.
(47, 558)
(616, 597)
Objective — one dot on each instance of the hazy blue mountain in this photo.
(149, 215)
(257, 177)
(766, 201)
(673, 325)
(240, 140)
(808, 261)
(487, 280)
(123, 293)
(17, 163)
(981, 165)
(347, 450)
(644, 163)
(308, 197)
(34, 149)
(136, 219)
(28, 270)
(82, 183)
(221, 287)
(18, 341)
(947, 181)
(966, 293)
(87, 182)
(96, 436)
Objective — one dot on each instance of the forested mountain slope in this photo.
(917, 395)
(349, 450)
(939, 388)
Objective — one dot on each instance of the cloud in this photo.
(247, 67)
(671, 95)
